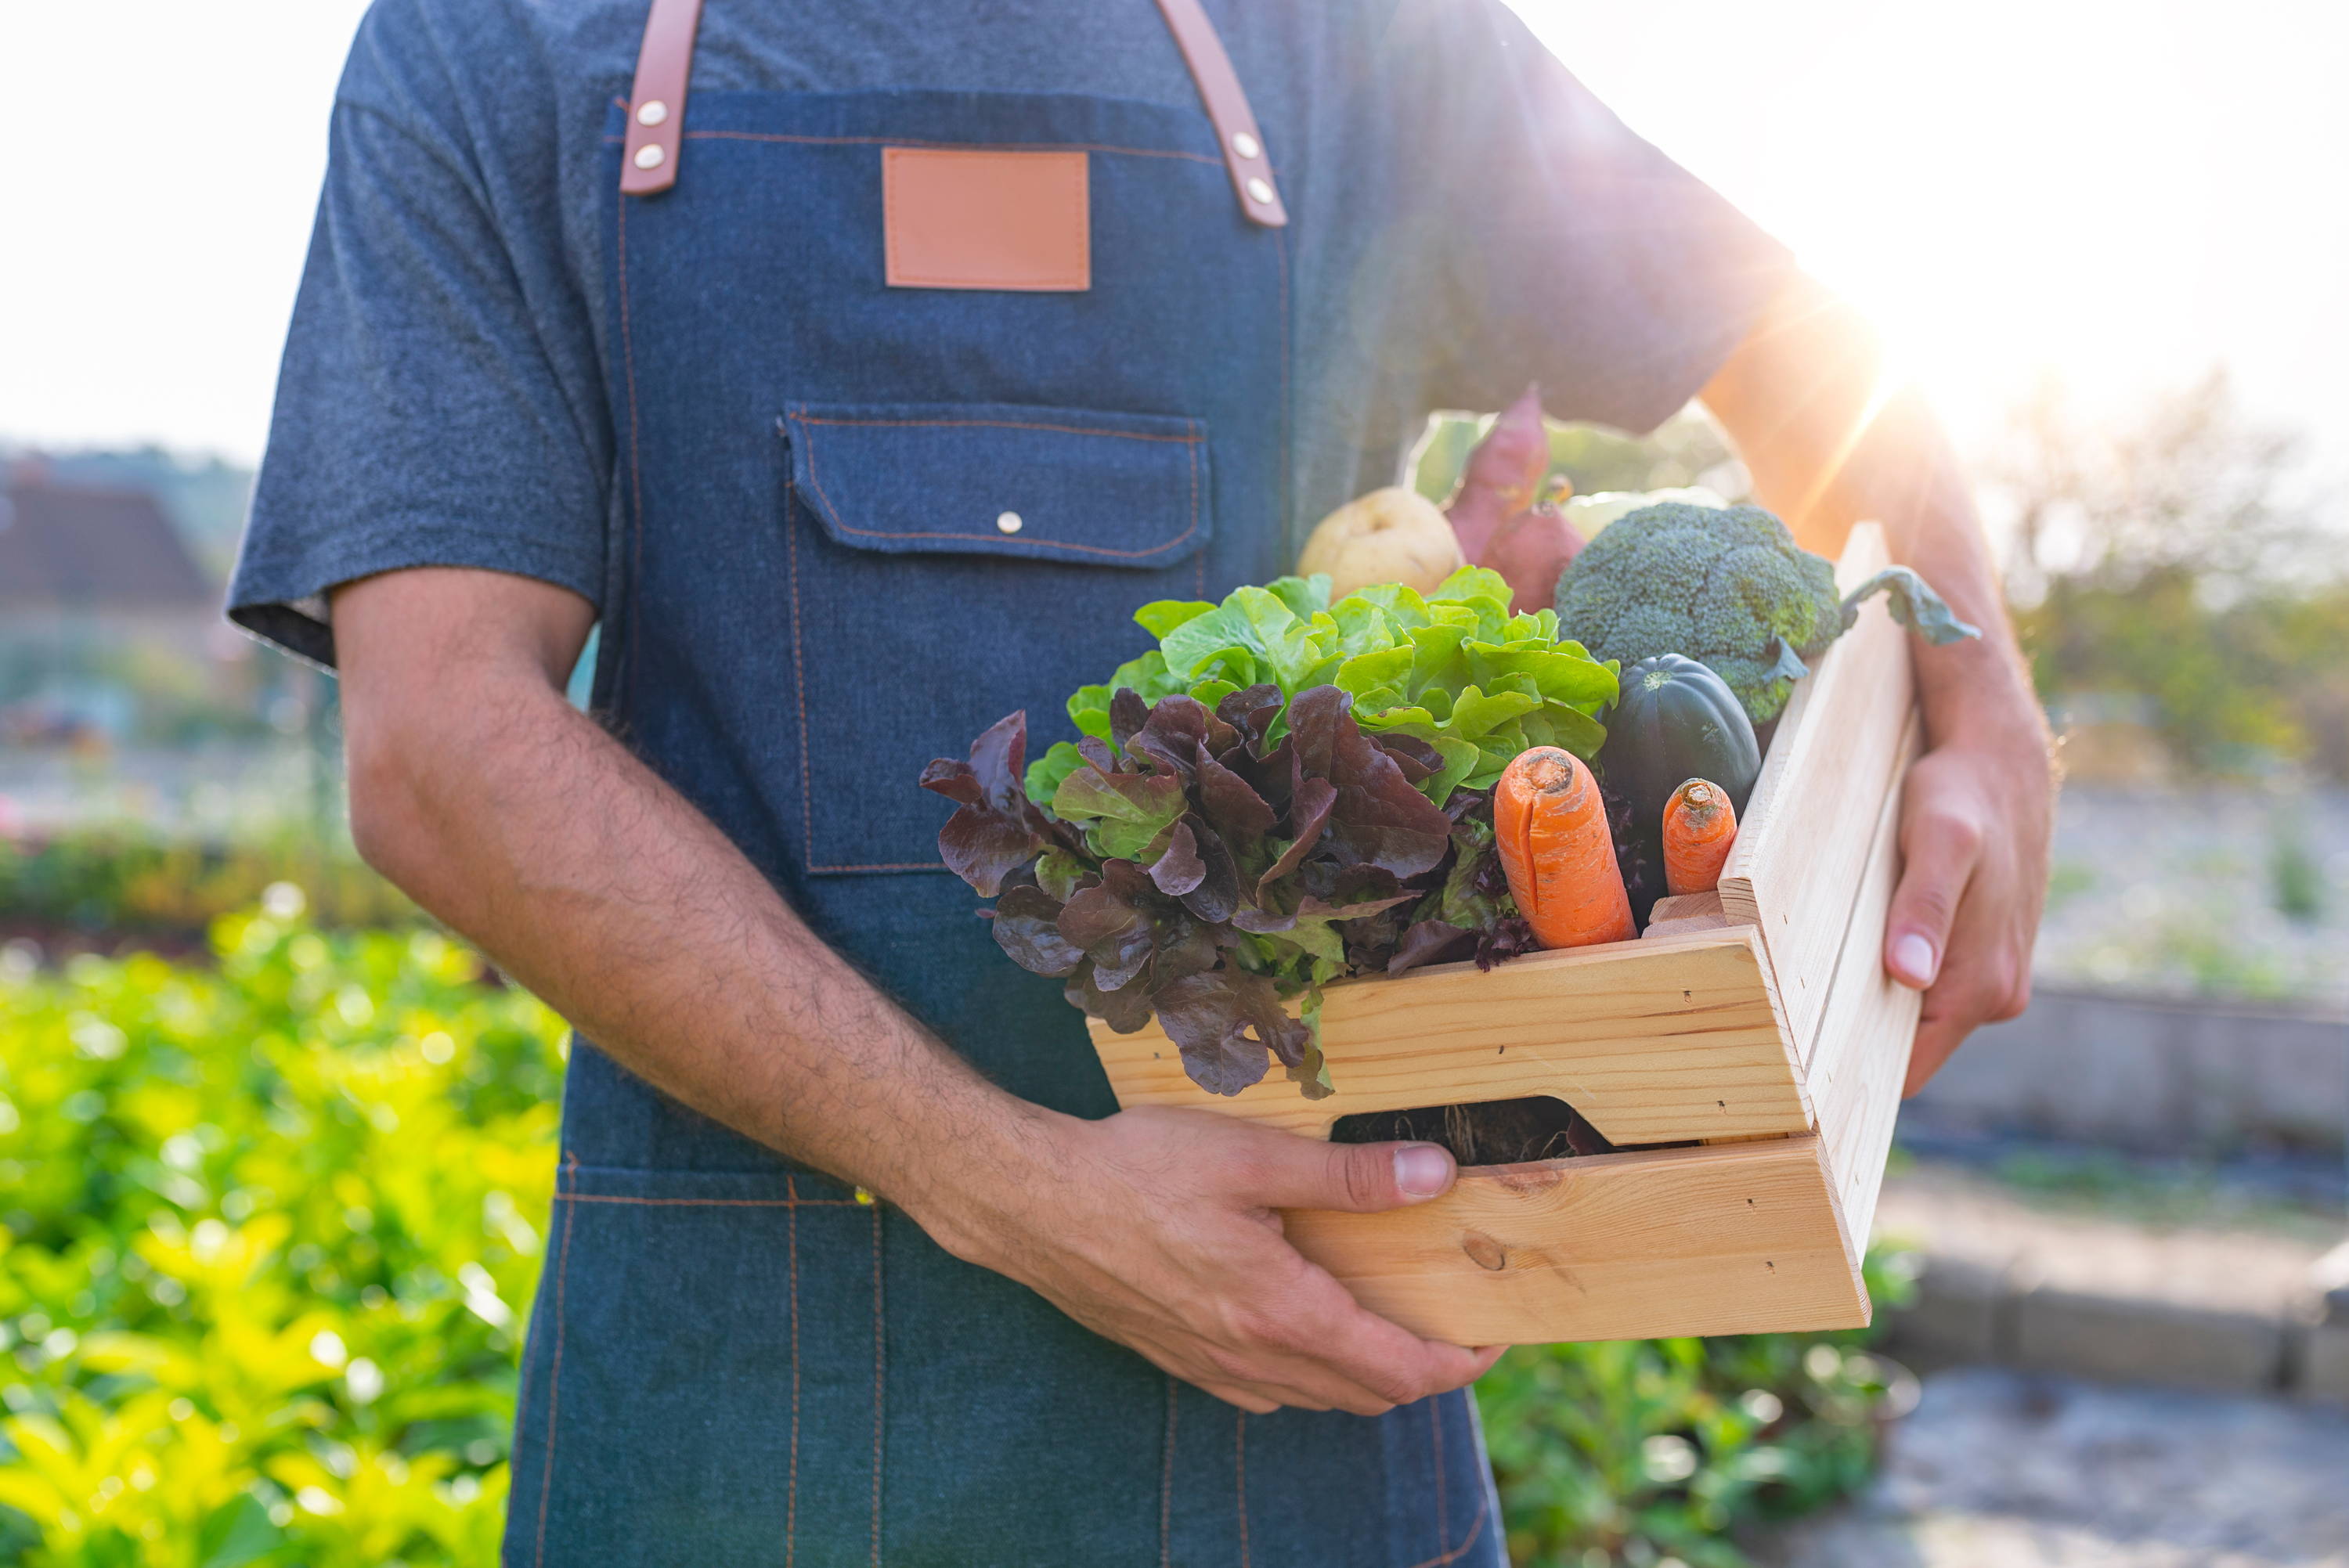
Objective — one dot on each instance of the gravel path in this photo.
(2002, 1469)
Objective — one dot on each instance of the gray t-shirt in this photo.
(443, 399)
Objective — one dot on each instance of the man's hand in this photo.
(1832, 440)
(1975, 827)
(1159, 1229)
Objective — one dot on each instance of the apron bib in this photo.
(863, 523)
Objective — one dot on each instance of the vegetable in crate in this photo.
(1730, 588)
(1283, 792)
(1551, 827)
(1391, 535)
(1503, 519)
(1699, 829)
(1676, 720)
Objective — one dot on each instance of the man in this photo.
(920, 346)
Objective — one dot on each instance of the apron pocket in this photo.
(950, 564)
(701, 1387)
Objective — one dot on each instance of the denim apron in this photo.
(732, 1359)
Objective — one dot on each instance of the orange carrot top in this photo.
(1700, 826)
(1550, 827)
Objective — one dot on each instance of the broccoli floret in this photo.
(1727, 587)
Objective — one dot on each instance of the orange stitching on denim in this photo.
(1240, 1484)
(798, 648)
(843, 524)
(1460, 1551)
(554, 1372)
(707, 1203)
(1166, 1482)
(1288, 451)
(1199, 573)
(791, 1496)
(887, 866)
(1190, 439)
(1435, 1421)
(880, 1368)
(636, 456)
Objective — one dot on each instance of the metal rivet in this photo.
(1246, 145)
(652, 112)
(1260, 193)
(1009, 523)
(649, 156)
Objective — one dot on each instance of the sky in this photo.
(2126, 191)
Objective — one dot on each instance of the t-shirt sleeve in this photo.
(1574, 253)
(436, 404)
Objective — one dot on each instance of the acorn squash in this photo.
(1676, 720)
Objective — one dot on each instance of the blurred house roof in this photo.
(85, 548)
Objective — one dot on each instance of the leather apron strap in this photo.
(665, 68)
(656, 101)
(1227, 107)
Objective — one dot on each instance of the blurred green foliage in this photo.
(269, 1232)
(2181, 557)
(1642, 1453)
(271, 1227)
(103, 880)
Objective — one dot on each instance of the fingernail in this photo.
(1913, 959)
(1422, 1169)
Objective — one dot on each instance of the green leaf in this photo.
(236, 1532)
(1366, 672)
(1573, 679)
(1163, 615)
(1125, 814)
(1472, 582)
(1303, 596)
(1477, 712)
(1089, 711)
(1257, 622)
(1045, 774)
(1460, 760)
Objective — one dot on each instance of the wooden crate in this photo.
(1766, 1035)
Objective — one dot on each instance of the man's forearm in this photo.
(522, 824)
(1828, 444)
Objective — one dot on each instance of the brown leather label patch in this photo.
(963, 218)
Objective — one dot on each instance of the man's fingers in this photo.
(1936, 1039)
(1288, 1171)
(1940, 842)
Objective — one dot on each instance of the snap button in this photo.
(1244, 144)
(1009, 523)
(1260, 193)
(649, 155)
(652, 112)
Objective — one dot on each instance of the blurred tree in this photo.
(2172, 558)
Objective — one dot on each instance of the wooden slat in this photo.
(1798, 857)
(1736, 1240)
(1856, 1071)
(1653, 1042)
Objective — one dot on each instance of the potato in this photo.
(1391, 535)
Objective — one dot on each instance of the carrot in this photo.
(1550, 827)
(1700, 826)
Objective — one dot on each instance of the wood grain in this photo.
(1653, 1042)
(1800, 854)
(1734, 1240)
(1856, 1069)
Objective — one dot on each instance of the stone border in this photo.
(1970, 1312)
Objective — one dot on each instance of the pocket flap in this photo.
(996, 478)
